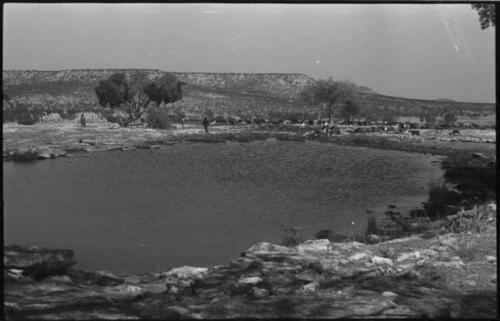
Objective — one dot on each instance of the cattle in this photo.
(415, 132)
(455, 132)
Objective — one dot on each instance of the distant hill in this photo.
(222, 93)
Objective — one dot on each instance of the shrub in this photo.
(371, 226)
(111, 116)
(474, 177)
(441, 200)
(22, 115)
(469, 225)
(158, 118)
(331, 236)
(292, 237)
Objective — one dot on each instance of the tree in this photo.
(350, 109)
(329, 93)
(135, 92)
(428, 117)
(450, 119)
(486, 14)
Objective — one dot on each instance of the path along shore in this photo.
(52, 140)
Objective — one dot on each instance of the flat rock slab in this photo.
(38, 262)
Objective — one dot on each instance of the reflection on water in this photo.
(201, 204)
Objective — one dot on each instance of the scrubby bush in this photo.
(292, 237)
(442, 200)
(111, 116)
(372, 226)
(21, 114)
(473, 176)
(158, 118)
(331, 236)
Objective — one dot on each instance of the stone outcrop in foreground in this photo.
(411, 277)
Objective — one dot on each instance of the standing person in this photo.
(205, 124)
(183, 121)
(83, 121)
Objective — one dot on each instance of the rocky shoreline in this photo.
(50, 141)
(412, 277)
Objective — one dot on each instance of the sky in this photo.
(423, 51)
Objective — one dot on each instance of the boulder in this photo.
(357, 256)
(265, 248)
(26, 155)
(259, 292)
(101, 278)
(491, 258)
(381, 260)
(479, 155)
(315, 246)
(38, 262)
(187, 272)
(389, 294)
(372, 239)
(250, 280)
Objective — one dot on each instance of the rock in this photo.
(309, 275)
(315, 246)
(448, 240)
(381, 260)
(357, 256)
(100, 278)
(105, 278)
(265, 248)
(16, 274)
(407, 256)
(91, 142)
(373, 239)
(44, 156)
(26, 155)
(310, 287)
(389, 294)
(59, 279)
(470, 283)
(453, 264)
(259, 292)
(187, 272)
(250, 280)
(38, 262)
(491, 259)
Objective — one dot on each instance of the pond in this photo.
(202, 204)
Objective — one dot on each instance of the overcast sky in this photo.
(411, 50)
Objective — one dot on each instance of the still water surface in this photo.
(202, 204)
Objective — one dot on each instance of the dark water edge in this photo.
(202, 204)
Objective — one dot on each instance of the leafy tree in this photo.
(167, 89)
(428, 117)
(486, 14)
(349, 109)
(329, 93)
(450, 119)
(135, 92)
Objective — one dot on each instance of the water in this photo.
(202, 204)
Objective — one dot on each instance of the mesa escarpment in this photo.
(232, 94)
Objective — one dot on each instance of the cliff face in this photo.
(233, 94)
